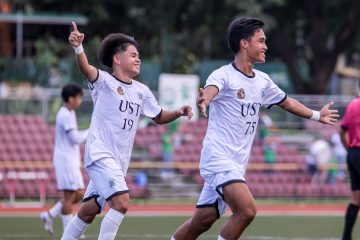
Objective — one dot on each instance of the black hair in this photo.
(112, 44)
(242, 28)
(70, 90)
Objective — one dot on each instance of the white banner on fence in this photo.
(176, 90)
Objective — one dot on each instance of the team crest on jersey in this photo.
(120, 90)
(241, 93)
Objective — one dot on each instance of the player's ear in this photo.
(243, 43)
(116, 58)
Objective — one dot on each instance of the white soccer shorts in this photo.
(106, 181)
(69, 178)
(212, 194)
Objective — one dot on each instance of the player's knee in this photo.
(86, 217)
(121, 206)
(247, 216)
(203, 224)
(120, 203)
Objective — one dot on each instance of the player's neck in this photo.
(68, 106)
(243, 64)
(122, 76)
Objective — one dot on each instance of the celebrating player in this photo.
(235, 93)
(118, 102)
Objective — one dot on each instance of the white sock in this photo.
(56, 209)
(66, 219)
(74, 229)
(220, 238)
(172, 238)
(110, 225)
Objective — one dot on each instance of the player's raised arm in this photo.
(76, 38)
(325, 115)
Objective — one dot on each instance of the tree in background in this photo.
(306, 35)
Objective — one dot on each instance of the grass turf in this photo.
(139, 228)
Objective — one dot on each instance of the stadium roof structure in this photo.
(49, 19)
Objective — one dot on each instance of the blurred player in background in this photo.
(350, 137)
(67, 160)
(118, 103)
(235, 93)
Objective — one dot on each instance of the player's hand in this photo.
(76, 37)
(186, 111)
(327, 115)
(200, 101)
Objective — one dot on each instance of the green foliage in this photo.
(304, 34)
(47, 58)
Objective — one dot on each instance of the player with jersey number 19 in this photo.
(234, 94)
(118, 103)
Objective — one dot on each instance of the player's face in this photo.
(130, 61)
(257, 47)
(75, 101)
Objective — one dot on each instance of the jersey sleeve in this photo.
(67, 123)
(217, 80)
(272, 94)
(99, 81)
(150, 106)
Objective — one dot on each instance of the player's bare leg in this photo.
(80, 222)
(200, 222)
(238, 197)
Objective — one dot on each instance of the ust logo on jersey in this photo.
(120, 90)
(241, 93)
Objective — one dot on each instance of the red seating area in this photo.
(325, 131)
(278, 183)
(26, 144)
(25, 138)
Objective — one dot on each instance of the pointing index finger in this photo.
(74, 26)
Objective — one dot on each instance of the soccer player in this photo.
(67, 158)
(118, 102)
(350, 137)
(235, 93)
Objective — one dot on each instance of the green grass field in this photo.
(136, 228)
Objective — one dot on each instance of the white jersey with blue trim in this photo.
(65, 151)
(234, 116)
(117, 108)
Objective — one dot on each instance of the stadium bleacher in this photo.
(26, 144)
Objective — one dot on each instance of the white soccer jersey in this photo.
(117, 107)
(66, 151)
(233, 117)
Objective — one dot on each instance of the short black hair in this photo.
(70, 90)
(112, 44)
(242, 28)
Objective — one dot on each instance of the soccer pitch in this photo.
(161, 227)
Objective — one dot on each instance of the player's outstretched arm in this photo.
(205, 97)
(326, 115)
(76, 38)
(169, 116)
